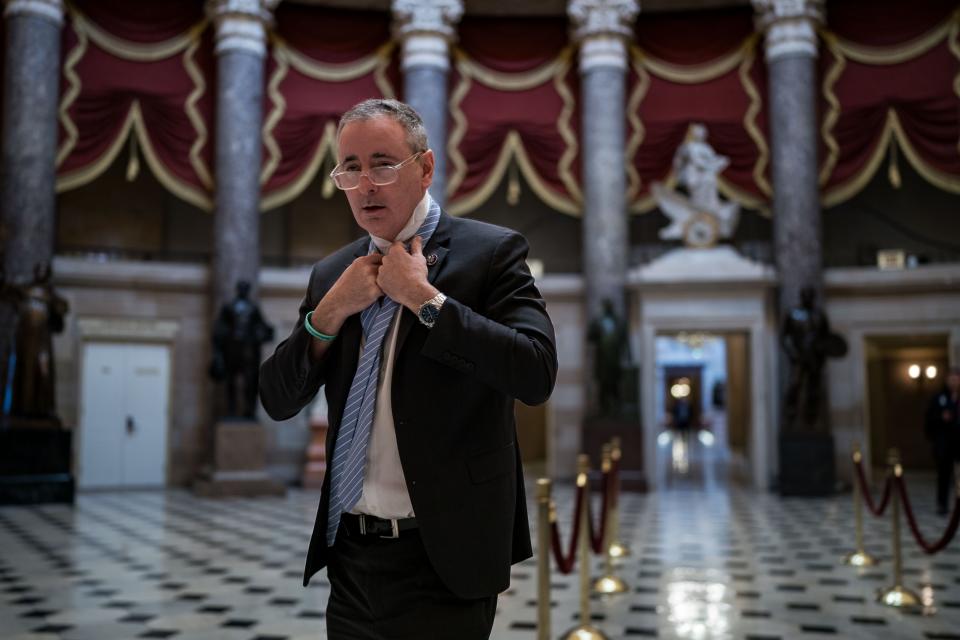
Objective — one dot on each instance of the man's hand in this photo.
(403, 275)
(355, 290)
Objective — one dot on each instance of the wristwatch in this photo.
(430, 310)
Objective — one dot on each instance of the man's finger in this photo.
(395, 245)
(416, 247)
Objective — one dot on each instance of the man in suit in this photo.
(423, 335)
(943, 429)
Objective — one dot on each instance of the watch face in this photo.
(429, 314)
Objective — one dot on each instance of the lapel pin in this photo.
(431, 259)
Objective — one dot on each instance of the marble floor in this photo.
(706, 563)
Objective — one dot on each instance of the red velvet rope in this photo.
(597, 533)
(566, 561)
(940, 544)
(865, 491)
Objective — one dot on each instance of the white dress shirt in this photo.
(384, 492)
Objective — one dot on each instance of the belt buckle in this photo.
(394, 530)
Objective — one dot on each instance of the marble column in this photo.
(791, 52)
(31, 93)
(241, 47)
(426, 28)
(603, 28)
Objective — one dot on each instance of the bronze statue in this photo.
(608, 334)
(40, 314)
(807, 340)
(238, 334)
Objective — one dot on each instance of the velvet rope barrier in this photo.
(865, 490)
(597, 533)
(939, 545)
(566, 561)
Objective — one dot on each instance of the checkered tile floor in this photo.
(705, 564)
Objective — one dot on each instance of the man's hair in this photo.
(403, 113)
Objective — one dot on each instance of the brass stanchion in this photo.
(618, 550)
(543, 558)
(609, 583)
(859, 558)
(585, 631)
(897, 596)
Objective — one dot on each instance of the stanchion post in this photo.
(609, 583)
(859, 558)
(584, 631)
(543, 558)
(618, 550)
(897, 596)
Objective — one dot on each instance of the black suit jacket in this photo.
(453, 391)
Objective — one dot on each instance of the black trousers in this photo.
(386, 589)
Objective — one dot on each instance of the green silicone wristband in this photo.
(316, 334)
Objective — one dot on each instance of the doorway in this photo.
(124, 415)
(903, 373)
(703, 407)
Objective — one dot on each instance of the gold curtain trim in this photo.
(892, 133)
(513, 147)
(134, 125)
(521, 81)
(692, 74)
(750, 125)
(287, 193)
(899, 53)
(833, 113)
(329, 72)
(457, 161)
(136, 51)
(69, 97)
(193, 113)
(468, 71)
(565, 166)
(634, 182)
(279, 108)
(87, 174)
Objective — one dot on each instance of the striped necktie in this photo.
(350, 448)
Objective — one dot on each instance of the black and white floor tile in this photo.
(706, 563)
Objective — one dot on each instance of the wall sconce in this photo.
(913, 371)
(931, 372)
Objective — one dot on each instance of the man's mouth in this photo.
(372, 207)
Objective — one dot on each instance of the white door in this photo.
(124, 415)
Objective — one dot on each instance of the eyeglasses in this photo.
(380, 176)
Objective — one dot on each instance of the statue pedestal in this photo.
(806, 465)
(239, 463)
(598, 430)
(35, 461)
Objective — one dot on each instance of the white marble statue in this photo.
(700, 218)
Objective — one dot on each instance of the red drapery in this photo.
(890, 89)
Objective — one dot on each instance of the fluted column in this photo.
(31, 93)
(426, 28)
(791, 52)
(241, 48)
(603, 28)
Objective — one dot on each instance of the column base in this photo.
(239, 463)
(35, 463)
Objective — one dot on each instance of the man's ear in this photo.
(426, 163)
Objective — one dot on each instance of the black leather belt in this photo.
(365, 525)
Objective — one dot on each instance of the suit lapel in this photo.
(436, 252)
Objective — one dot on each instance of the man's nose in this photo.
(369, 187)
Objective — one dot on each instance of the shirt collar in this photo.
(413, 224)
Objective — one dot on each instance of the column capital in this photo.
(49, 9)
(790, 26)
(426, 17)
(241, 25)
(426, 28)
(603, 27)
(602, 18)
